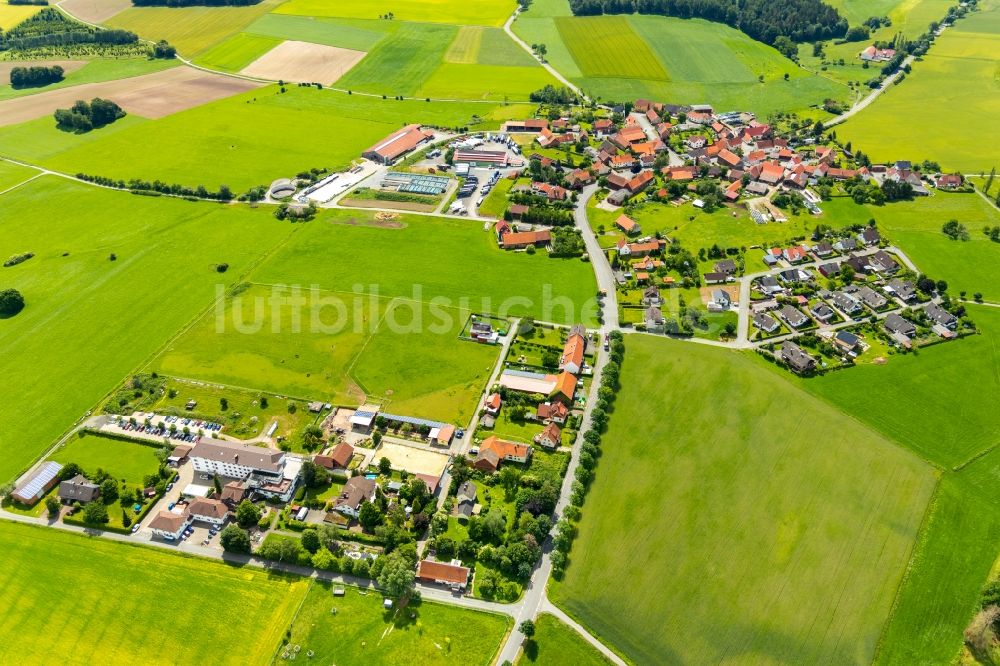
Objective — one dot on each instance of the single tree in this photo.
(397, 576)
(247, 514)
(235, 540)
(384, 466)
(527, 628)
(52, 505)
(310, 540)
(11, 302)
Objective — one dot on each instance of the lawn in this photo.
(138, 603)
(234, 141)
(482, 12)
(337, 347)
(90, 321)
(947, 427)
(453, 261)
(123, 460)
(958, 74)
(767, 527)
(556, 644)
(192, 30)
(355, 629)
(672, 59)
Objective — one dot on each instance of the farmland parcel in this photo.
(716, 538)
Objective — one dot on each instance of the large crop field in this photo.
(95, 71)
(338, 347)
(91, 320)
(452, 262)
(736, 519)
(11, 15)
(962, 422)
(361, 632)
(957, 79)
(72, 598)
(241, 141)
(625, 57)
(192, 30)
(481, 12)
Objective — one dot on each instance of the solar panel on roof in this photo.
(36, 484)
(414, 421)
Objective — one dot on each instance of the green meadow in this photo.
(192, 30)
(482, 12)
(556, 644)
(355, 629)
(237, 52)
(241, 141)
(958, 80)
(453, 262)
(89, 320)
(12, 174)
(106, 602)
(336, 347)
(673, 60)
(760, 524)
(121, 459)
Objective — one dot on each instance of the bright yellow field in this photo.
(11, 15)
(460, 12)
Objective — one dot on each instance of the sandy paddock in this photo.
(67, 65)
(412, 459)
(302, 62)
(150, 95)
(95, 11)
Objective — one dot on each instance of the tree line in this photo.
(49, 27)
(32, 77)
(796, 20)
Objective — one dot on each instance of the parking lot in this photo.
(156, 426)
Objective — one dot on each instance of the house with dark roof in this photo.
(902, 289)
(466, 496)
(845, 244)
(846, 303)
(940, 316)
(847, 342)
(822, 249)
(769, 285)
(822, 312)
(900, 326)
(793, 316)
(883, 263)
(356, 492)
(869, 296)
(870, 236)
(727, 266)
(78, 489)
(766, 322)
(829, 269)
(797, 360)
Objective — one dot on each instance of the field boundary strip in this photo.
(295, 616)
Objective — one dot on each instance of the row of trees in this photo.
(795, 20)
(32, 77)
(159, 187)
(83, 117)
(50, 27)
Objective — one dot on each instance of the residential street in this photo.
(862, 104)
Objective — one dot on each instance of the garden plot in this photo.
(150, 96)
(303, 62)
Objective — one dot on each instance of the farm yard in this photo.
(741, 545)
(362, 632)
(73, 289)
(958, 74)
(251, 607)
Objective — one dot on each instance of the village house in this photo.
(356, 492)
(518, 240)
(822, 249)
(822, 312)
(530, 125)
(495, 451)
(846, 303)
(78, 489)
(829, 269)
(948, 181)
(574, 350)
(493, 403)
(640, 249)
(845, 245)
(552, 412)
(870, 236)
(466, 496)
(902, 330)
(453, 574)
(797, 360)
(883, 263)
(338, 459)
(796, 254)
(653, 320)
(550, 437)
(211, 511)
(721, 301)
(847, 342)
(715, 278)
(902, 289)
(628, 225)
(793, 316)
(940, 316)
(169, 525)
(868, 296)
(766, 322)
(769, 285)
(549, 191)
(233, 493)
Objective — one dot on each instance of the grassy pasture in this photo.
(345, 33)
(139, 603)
(96, 71)
(465, 49)
(484, 82)
(482, 12)
(90, 321)
(237, 52)
(433, 258)
(361, 632)
(241, 141)
(962, 422)
(401, 63)
(556, 644)
(957, 76)
(192, 30)
(717, 540)
(121, 459)
(12, 174)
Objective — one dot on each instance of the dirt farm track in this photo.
(149, 96)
